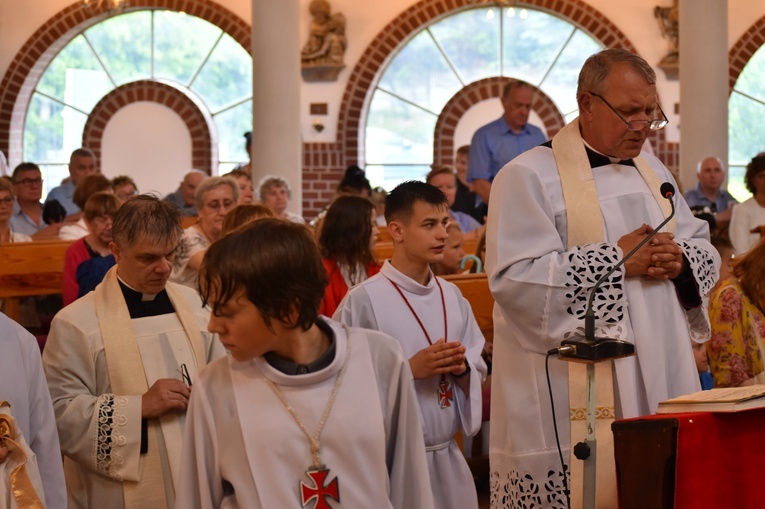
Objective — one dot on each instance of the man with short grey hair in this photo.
(709, 192)
(498, 142)
(120, 362)
(183, 197)
(564, 214)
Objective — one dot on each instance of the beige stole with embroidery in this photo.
(585, 226)
(127, 378)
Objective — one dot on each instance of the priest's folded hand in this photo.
(166, 395)
(439, 358)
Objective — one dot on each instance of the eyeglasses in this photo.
(638, 125)
(30, 182)
(8, 200)
(215, 204)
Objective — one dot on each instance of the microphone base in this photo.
(592, 351)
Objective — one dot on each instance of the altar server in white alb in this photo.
(561, 215)
(120, 362)
(437, 330)
(304, 412)
(30, 456)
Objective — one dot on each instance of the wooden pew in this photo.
(30, 268)
(475, 288)
(187, 221)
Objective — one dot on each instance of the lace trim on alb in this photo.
(108, 435)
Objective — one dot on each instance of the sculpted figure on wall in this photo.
(323, 54)
(667, 17)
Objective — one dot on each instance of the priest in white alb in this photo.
(437, 331)
(120, 363)
(561, 215)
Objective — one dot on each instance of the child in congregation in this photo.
(303, 409)
(346, 240)
(243, 214)
(454, 252)
(437, 330)
(444, 178)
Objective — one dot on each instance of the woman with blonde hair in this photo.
(738, 323)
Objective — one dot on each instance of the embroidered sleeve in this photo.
(109, 438)
(586, 265)
(702, 265)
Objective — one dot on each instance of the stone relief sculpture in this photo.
(668, 21)
(322, 56)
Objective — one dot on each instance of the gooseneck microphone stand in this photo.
(591, 350)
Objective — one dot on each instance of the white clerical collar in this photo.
(145, 297)
(407, 283)
(613, 160)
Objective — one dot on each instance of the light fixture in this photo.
(111, 6)
(510, 4)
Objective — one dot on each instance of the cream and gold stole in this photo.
(127, 378)
(585, 226)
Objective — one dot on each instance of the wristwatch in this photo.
(467, 371)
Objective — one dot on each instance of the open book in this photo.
(728, 399)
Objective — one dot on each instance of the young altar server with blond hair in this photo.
(437, 331)
(304, 412)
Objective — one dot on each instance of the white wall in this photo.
(149, 142)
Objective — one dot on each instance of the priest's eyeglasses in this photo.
(638, 125)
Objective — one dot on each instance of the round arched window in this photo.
(139, 45)
(746, 122)
(452, 52)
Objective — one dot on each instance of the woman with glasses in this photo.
(747, 224)
(88, 259)
(215, 196)
(7, 235)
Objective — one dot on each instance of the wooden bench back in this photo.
(475, 288)
(30, 268)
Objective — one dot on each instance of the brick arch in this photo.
(364, 75)
(489, 88)
(744, 49)
(198, 121)
(38, 51)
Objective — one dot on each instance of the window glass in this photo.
(123, 43)
(421, 74)
(531, 43)
(471, 40)
(75, 77)
(746, 123)
(401, 133)
(232, 124)
(181, 44)
(226, 77)
(560, 83)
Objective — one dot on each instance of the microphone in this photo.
(591, 349)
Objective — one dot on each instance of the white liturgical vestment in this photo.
(376, 304)
(243, 449)
(541, 288)
(101, 432)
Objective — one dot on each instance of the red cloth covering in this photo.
(719, 459)
(336, 289)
